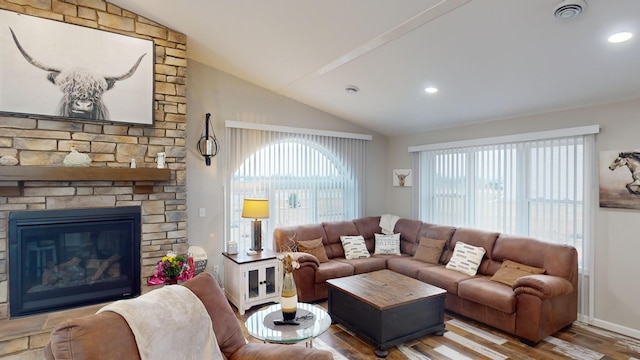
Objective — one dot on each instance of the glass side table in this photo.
(313, 319)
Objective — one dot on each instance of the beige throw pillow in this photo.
(315, 248)
(466, 258)
(354, 247)
(387, 244)
(511, 270)
(429, 250)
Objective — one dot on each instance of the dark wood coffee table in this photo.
(386, 308)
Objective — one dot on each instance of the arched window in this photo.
(306, 178)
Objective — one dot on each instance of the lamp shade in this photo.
(255, 208)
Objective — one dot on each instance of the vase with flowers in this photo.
(171, 268)
(289, 293)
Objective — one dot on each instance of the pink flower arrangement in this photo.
(172, 266)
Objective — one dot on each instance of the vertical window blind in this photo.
(307, 176)
(539, 187)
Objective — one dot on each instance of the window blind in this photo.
(539, 188)
(308, 177)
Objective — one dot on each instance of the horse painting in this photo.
(632, 161)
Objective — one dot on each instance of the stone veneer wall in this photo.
(42, 141)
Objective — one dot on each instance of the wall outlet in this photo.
(216, 269)
(202, 212)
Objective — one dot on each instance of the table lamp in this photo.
(256, 209)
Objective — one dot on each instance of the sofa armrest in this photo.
(305, 259)
(277, 352)
(542, 286)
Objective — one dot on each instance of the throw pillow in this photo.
(511, 270)
(315, 248)
(354, 247)
(466, 258)
(387, 244)
(429, 250)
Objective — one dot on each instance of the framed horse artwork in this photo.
(620, 179)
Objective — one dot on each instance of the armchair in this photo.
(107, 335)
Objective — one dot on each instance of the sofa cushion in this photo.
(406, 265)
(334, 230)
(313, 247)
(475, 237)
(429, 250)
(354, 247)
(368, 226)
(408, 230)
(387, 244)
(442, 277)
(466, 258)
(511, 270)
(366, 265)
(285, 237)
(333, 269)
(489, 293)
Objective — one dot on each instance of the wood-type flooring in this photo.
(466, 339)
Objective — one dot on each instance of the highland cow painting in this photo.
(59, 70)
(620, 179)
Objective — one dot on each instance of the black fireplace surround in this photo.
(60, 259)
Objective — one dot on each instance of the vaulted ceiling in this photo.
(489, 59)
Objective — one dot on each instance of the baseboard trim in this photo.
(612, 327)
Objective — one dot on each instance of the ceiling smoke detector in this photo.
(569, 8)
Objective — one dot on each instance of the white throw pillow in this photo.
(466, 258)
(354, 247)
(387, 244)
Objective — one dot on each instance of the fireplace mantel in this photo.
(143, 178)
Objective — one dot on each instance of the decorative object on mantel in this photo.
(208, 144)
(289, 294)
(133, 163)
(171, 268)
(76, 159)
(8, 161)
(161, 160)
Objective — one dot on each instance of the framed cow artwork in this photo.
(53, 69)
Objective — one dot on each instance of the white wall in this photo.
(229, 98)
(617, 243)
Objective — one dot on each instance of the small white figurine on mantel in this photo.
(133, 163)
(162, 160)
(8, 160)
(74, 158)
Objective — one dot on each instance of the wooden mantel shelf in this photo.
(142, 176)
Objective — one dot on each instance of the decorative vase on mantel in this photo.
(171, 280)
(289, 297)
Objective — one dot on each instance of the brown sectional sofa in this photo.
(534, 307)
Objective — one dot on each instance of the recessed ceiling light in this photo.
(620, 37)
(431, 90)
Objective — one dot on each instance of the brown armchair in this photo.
(107, 336)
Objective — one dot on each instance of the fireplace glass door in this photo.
(67, 258)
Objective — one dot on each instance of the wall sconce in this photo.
(208, 145)
(256, 209)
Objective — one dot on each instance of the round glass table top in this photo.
(259, 329)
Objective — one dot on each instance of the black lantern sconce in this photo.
(208, 144)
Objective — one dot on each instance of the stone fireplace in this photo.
(40, 182)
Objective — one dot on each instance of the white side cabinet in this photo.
(252, 279)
